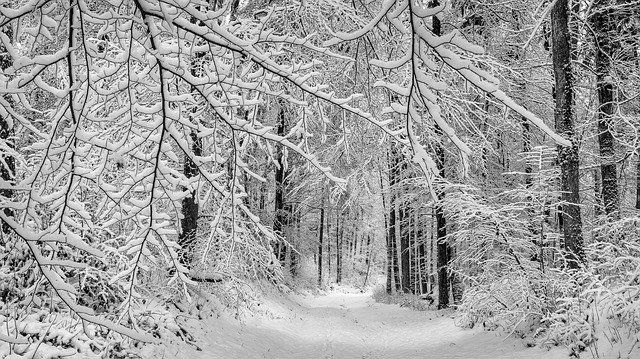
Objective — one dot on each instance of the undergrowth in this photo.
(406, 300)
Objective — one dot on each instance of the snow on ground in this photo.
(343, 324)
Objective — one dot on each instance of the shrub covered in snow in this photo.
(516, 278)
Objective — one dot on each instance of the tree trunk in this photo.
(423, 269)
(367, 261)
(329, 241)
(604, 26)
(597, 191)
(456, 285)
(638, 184)
(339, 230)
(444, 252)
(7, 165)
(387, 228)
(190, 206)
(396, 261)
(415, 259)
(320, 240)
(404, 248)
(280, 215)
(392, 258)
(295, 214)
(526, 147)
(567, 156)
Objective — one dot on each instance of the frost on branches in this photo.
(104, 102)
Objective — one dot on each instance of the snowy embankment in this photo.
(341, 324)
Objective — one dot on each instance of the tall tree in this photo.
(280, 177)
(404, 233)
(295, 218)
(424, 250)
(444, 251)
(7, 140)
(190, 206)
(604, 23)
(339, 233)
(564, 122)
(393, 275)
(320, 241)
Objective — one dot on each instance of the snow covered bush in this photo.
(514, 283)
(602, 313)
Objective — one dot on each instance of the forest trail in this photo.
(348, 324)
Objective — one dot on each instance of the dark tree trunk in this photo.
(567, 156)
(604, 27)
(279, 210)
(339, 232)
(404, 248)
(387, 228)
(415, 253)
(433, 251)
(329, 242)
(637, 63)
(423, 269)
(391, 227)
(7, 165)
(320, 240)
(396, 263)
(421, 239)
(456, 284)
(295, 215)
(190, 206)
(367, 261)
(394, 225)
(526, 147)
(444, 252)
(638, 184)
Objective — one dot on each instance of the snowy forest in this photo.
(319, 179)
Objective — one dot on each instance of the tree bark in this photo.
(597, 191)
(391, 227)
(295, 215)
(367, 261)
(604, 27)
(7, 165)
(405, 259)
(423, 268)
(320, 240)
(280, 215)
(190, 206)
(387, 228)
(444, 252)
(526, 147)
(416, 279)
(563, 114)
(329, 241)
(339, 231)
(638, 184)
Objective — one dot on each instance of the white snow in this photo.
(342, 324)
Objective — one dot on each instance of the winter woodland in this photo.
(319, 179)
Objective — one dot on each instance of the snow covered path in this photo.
(350, 325)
